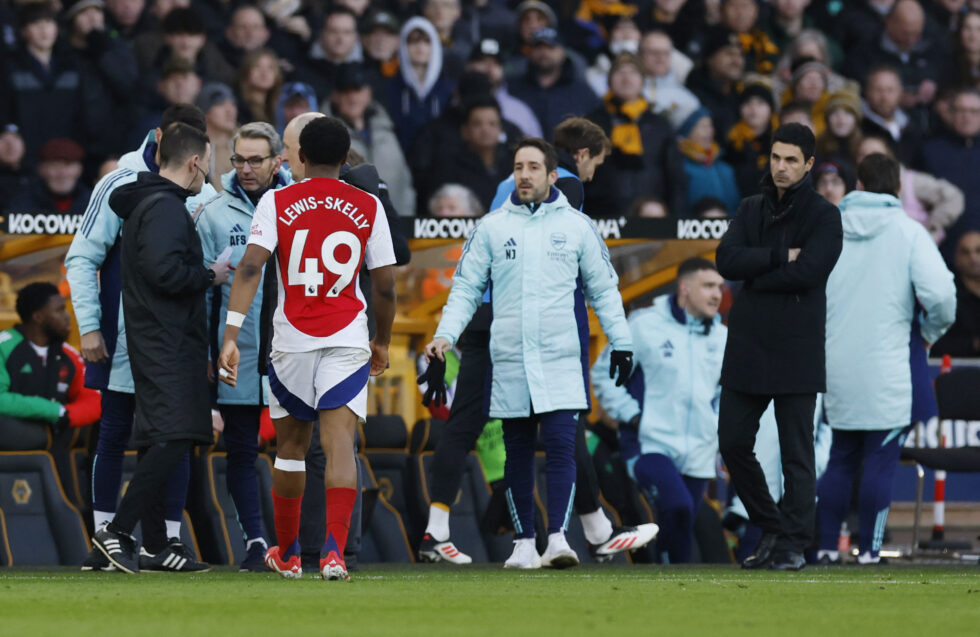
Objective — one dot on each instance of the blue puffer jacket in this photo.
(94, 268)
(681, 361)
(888, 265)
(224, 223)
(539, 335)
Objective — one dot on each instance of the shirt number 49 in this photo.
(310, 276)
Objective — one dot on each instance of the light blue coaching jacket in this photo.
(542, 268)
(94, 268)
(888, 264)
(224, 223)
(681, 369)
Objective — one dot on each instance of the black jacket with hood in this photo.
(776, 328)
(163, 286)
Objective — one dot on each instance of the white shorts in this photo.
(302, 383)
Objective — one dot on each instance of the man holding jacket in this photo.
(888, 269)
(163, 287)
(782, 244)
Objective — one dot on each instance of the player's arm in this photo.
(248, 277)
(383, 303)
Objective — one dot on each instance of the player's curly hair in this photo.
(325, 141)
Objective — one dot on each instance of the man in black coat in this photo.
(782, 244)
(163, 286)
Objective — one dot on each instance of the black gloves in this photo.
(633, 424)
(622, 361)
(61, 424)
(435, 379)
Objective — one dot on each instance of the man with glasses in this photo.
(223, 227)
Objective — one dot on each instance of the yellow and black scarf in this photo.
(698, 153)
(625, 135)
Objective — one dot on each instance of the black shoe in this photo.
(254, 561)
(787, 561)
(826, 560)
(176, 558)
(763, 552)
(96, 561)
(120, 549)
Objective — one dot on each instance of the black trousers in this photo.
(738, 423)
(468, 416)
(144, 501)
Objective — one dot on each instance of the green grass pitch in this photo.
(632, 601)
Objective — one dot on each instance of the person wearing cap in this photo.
(747, 142)
(707, 174)
(58, 186)
(644, 159)
(421, 91)
(487, 59)
(220, 109)
(832, 181)
(665, 69)
(223, 224)
(379, 40)
(715, 80)
(108, 56)
(295, 99)
(552, 85)
(182, 35)
(44, 89)
(372, 132)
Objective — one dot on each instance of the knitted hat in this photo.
(61, 149)
(212, 94)
(834, 168)
(692, 120)
(80, 6)
(759, 90)
(717, 38)
(846, 100)
(626, 59)
(802, 66)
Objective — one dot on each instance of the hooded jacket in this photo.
(535, 263)
(681, 361)
(777, 323)
(94, 270)
(889, 264)
(571, 95)
(163, 286)
(411, 102)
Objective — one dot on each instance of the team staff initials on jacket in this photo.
(311, 204)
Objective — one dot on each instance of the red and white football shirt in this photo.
(325, 230)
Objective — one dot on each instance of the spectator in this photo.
(861, 22)
(372, 133)
(532, 16)
(814, 45)
(178, 84)
(217, 102)
(258, 86)
(842, 131)
(947, 14)
(963, 338)
(808, 85)
(420, 93)
(337, 44)
(707, 175)
(182, 35)
(747, 143)
(967, 51)
(42, 381)
(664, 87)
(455, 200)
(709, 208)
(933, 202)
(13, 175)
(295, 99)
(956, 158)
(552, 86)
(669, 440)
(684, 20)
(379, 40)
(788, 20)
(486, 59)
(883, 114)
(456, 41)
(644, 159)
(797, 113)
(832, 181)
(649, 208)
(490, 21)
(483, 161)
(742, 17)
(714, 82)
(888, 268)
(108, 57)
(624, 37)
(127, 17)
(246, 31)
(58, 186)
(45, 91)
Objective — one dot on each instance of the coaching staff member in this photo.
(782, 244)
(163, 286)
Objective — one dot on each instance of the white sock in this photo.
(102, 518)
(596, 526)
(438, 526)
(833, 556)
(173, 528)
(260, 540)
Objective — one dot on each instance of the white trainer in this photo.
(627, 538)
(525, 555)
(558, 554)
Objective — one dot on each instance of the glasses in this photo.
(254, 162)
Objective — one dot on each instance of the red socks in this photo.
(286, 512)
(340, 503)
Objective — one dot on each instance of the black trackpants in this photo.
(738, 423)
(144, 500)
